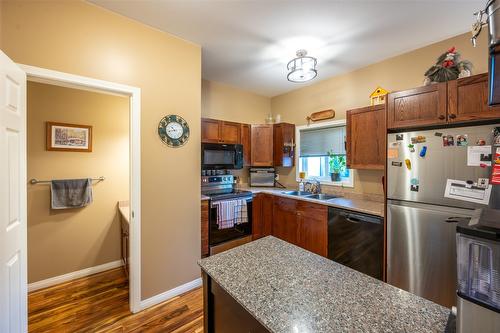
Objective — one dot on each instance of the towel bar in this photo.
(34, 181)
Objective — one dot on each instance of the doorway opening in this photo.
(68, 244)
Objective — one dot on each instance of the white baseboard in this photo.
(73, 275)
(170, 293)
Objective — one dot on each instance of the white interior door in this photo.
(13, 230)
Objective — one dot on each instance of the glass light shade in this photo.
(302, 68)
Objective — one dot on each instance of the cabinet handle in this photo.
(441, 117)
(453, 116)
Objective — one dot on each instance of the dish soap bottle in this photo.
(302, 175)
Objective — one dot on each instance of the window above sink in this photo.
(313, 144)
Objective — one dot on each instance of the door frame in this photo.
(42, 75)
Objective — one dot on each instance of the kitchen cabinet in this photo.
(210, 130)
(420, 106)
(313, 227)
(458, 101)
(219, 131)
(365, 138)
(230, 132)
(262, 215)
(301, 223)
(262, 145)
(468, 100)
(285, 221)
(284, 144)
(204, 228)
(245, 141)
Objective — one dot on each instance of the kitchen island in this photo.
(269, 285)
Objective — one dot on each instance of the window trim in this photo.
(333, 123)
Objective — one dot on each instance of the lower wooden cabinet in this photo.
(285, 220)
(313, 227)
(204, 228)
(262, 215)
(301, 223)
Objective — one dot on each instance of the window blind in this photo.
(317, 142)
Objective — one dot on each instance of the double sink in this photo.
(309, 195)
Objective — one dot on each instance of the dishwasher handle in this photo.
(360, 218)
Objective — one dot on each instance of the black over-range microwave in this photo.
(221, 156)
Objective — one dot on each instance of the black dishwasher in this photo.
(356, 240)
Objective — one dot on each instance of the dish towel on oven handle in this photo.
(231, 213)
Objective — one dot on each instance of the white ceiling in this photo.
(247, 44)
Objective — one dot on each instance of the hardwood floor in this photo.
(99, 303)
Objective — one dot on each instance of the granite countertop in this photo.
(288, 289)
(355, 204)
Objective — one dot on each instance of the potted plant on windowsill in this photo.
(337, 166)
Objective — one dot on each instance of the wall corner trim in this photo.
(170, 293)
(73, 275)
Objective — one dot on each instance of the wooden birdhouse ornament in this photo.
(378, 96)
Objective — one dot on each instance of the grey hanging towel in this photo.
(70, 193)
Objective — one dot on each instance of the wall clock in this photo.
(173, 130)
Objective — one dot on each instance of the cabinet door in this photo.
(365, 141)
(285, 223)
(245, 141)
(284, 144)
(230, 132)
(210, 130)
(267, 214)
(262, 215)
(262, 145)
(468, 99)
(313, 227)
(204, 228)
(417, 107)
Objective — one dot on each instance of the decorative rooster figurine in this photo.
(448, 67)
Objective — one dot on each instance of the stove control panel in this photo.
(217, 180)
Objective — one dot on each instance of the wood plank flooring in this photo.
(99, 303)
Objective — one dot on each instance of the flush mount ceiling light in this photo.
(302, 68)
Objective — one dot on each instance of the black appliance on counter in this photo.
(221, 188)
(216, 156)
(356, 240)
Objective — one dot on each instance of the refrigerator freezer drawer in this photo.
(421, 249)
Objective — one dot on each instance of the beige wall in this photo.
(80, 38)
(64, 241)
(352, 90)
(220, 101)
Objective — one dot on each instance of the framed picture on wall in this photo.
(69, 137)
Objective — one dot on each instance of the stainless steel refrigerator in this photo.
(434, 179)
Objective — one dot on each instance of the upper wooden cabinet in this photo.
(218, 131)
(246, 142)
(417, 107)
(365, 140)
(457, 101)
(262, 145)
(468, 99)
(230, 132)
(210, 130)
(284, 144)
